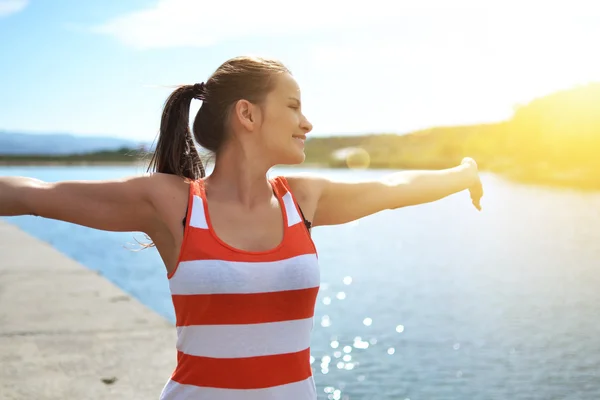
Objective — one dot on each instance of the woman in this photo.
(236, 245)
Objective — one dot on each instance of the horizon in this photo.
(89, 69)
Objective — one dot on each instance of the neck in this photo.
(239, 175)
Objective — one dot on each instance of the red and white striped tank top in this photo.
(244, 319)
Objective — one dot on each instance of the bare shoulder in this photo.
(306, 186)
(158, 182)
(167, 190)
(307, 189)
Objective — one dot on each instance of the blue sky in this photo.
(104, 67)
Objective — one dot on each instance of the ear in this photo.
(247, 114)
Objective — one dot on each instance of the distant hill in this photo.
(553, 139)
(12, 143)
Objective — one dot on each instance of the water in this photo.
(436, 301)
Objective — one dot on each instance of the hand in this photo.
(476, 189)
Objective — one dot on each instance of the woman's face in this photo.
(283, 127)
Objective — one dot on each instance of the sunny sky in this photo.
(105, 67)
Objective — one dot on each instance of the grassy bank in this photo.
(553, 140)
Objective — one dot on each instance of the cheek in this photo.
(271, 135)
(277, 128)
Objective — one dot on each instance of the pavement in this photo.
(68, 333)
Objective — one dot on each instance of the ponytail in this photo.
(176, 151)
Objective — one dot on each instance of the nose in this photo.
(306, 125)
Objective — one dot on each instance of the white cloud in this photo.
(191, 23)
(9, 7)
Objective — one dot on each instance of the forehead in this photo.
(286, 86)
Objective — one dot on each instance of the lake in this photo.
(436, 301)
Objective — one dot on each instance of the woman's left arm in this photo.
(342, 202)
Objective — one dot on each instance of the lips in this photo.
(303, 137)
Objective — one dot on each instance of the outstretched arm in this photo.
(118, 205)
(341, 202)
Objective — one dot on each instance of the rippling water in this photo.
(436, 301)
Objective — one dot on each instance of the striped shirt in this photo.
(244, 319)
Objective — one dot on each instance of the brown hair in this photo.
(248, 78)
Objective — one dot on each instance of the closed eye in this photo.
(295, 105)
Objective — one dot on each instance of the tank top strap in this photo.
(195, 191)
(284, 191)
(279, 185)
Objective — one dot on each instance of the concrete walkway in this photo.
(67, 333)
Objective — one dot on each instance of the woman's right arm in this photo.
(116, 205)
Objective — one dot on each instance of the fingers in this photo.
(476, 195)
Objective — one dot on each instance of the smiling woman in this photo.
(242, 267)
